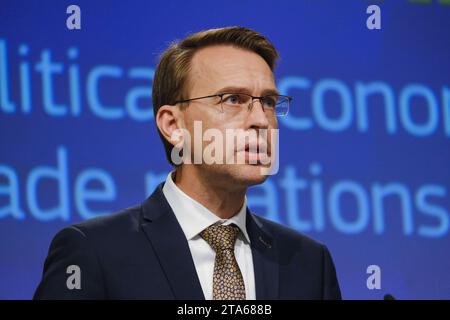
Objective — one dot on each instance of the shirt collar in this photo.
(193, 217)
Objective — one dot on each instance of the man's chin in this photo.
(237, 175)
(251, 174)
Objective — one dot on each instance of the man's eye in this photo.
(269, 102)
(232, 99)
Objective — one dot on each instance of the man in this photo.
(194, 237)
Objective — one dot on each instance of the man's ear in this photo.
(169, 120)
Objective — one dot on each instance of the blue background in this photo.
(86, 144)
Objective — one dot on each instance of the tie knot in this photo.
(221, 237)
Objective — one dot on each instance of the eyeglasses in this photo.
(234, 103)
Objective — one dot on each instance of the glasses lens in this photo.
(234, 103)
(282, 106)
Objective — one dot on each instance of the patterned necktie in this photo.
(228, 283)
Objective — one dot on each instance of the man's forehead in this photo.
(226, 66)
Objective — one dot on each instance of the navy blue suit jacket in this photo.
(142, 253)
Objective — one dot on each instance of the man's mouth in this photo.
(254, 153)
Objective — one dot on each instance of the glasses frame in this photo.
(288, 98)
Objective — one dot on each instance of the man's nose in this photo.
(257, 117)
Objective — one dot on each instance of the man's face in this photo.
(218, 69)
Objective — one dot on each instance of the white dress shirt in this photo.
(193, 219)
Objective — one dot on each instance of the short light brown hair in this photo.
(171, 76)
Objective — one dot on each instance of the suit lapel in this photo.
(265, 262)
(171, 247)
